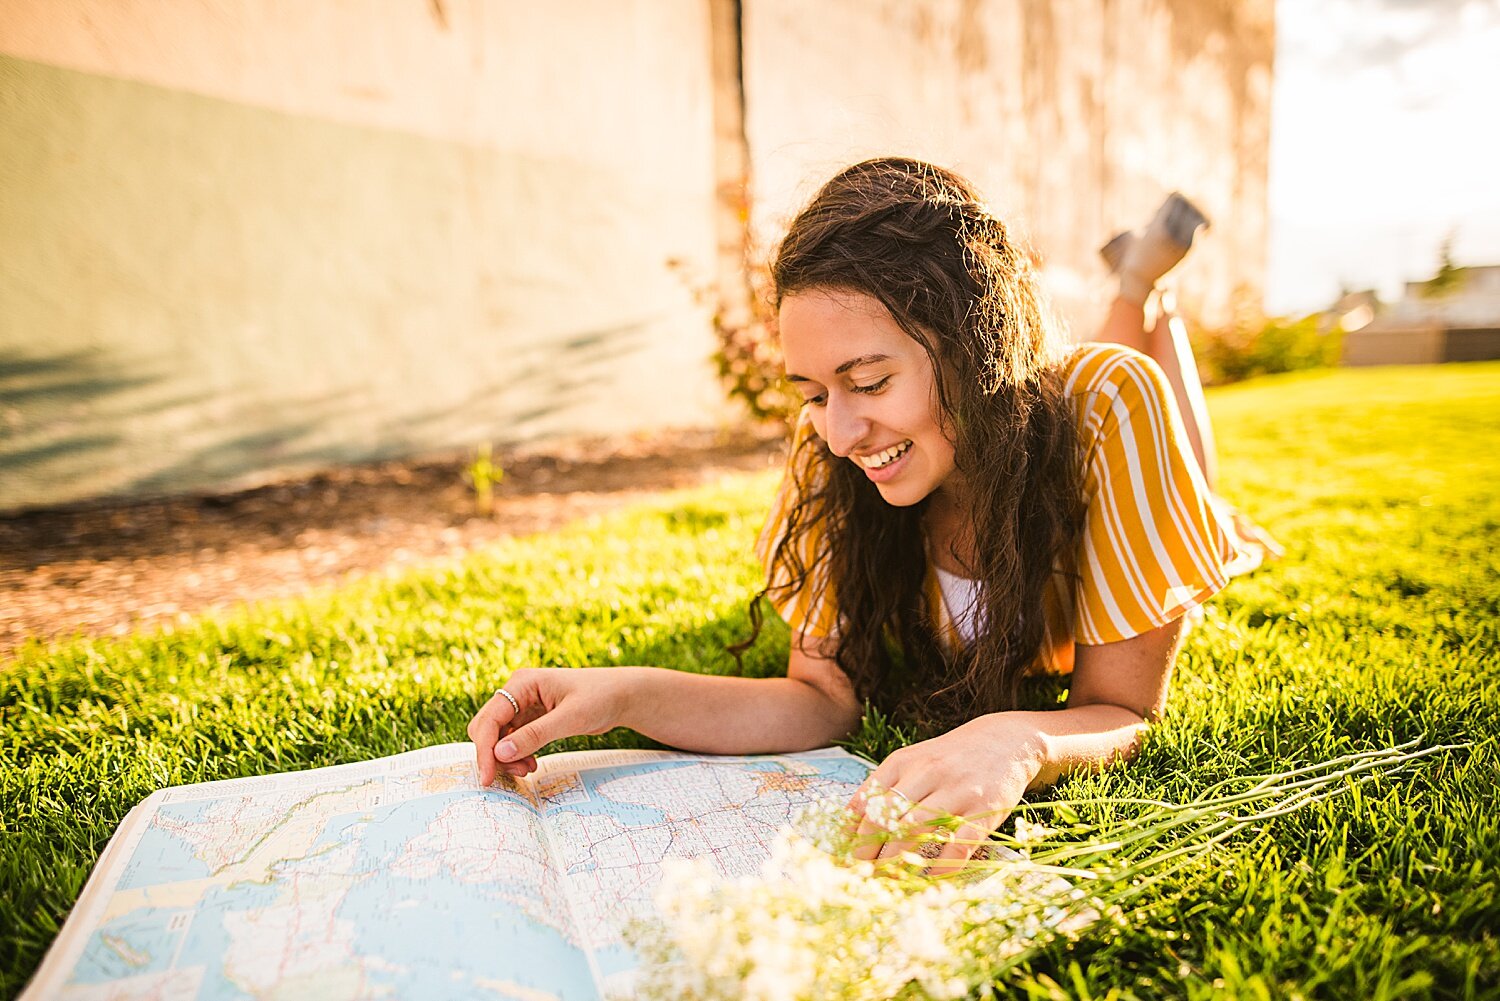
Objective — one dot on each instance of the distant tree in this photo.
(1449, 276)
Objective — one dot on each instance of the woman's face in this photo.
(870, 390)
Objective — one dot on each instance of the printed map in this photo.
(402, 878)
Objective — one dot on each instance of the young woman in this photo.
(964, 504)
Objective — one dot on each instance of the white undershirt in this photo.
(961, 595)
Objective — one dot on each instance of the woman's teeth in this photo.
(881, 459)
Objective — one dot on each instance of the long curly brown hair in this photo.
(918, 238)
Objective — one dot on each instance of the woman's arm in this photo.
(1117, 689)
(812, 706)
(980, 770)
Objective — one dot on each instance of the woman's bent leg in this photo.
(1170, 348)
(1126, 324)
(1140, 259)
(1166, 343)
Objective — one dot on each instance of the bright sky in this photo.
(1385, 139)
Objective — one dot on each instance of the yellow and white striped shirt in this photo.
(1155, 542)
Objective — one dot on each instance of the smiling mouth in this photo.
(882, 459)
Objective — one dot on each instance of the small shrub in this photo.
(749, 357)
(1252, 345)
(750, 366)
(483, 473)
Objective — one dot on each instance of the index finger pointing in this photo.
(484, 731)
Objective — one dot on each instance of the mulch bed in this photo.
(111, 567)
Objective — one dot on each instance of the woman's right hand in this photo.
(554, 702)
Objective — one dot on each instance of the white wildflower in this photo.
(1029, 832)
(813, 924)
(886, 808)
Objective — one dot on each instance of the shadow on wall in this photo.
(50, 410)
(559, 376)
(257, 439)
(82, 425)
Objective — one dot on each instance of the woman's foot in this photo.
(1141, 259)
(1252, 532)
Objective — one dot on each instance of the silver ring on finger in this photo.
(511, 699)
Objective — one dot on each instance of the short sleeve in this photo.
(1153, 546)
(807, 607)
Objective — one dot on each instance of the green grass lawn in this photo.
(1380, 625)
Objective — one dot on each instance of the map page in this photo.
(404, 878)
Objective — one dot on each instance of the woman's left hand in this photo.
(978, 771)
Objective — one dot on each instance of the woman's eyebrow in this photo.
(861, 360)
(851, 363)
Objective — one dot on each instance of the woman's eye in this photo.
(873, 387)
(820, 400)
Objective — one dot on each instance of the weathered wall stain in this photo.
(1074, 116)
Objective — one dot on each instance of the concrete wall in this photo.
(241, 238)
(1075, 117)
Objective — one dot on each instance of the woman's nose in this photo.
(846, 425)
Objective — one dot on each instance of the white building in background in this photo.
(1461, 323)
(1474, 301)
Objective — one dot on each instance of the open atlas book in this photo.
(403, 878)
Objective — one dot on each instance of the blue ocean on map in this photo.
(436, 925)
(837, 769)
(632, 814)
(345, 827)
(139, 942)
(163, 857)
(203, 942)
(429, 928)
(613, 959)
(422, 931)
(208, 940)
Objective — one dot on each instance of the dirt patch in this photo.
(111, 568)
